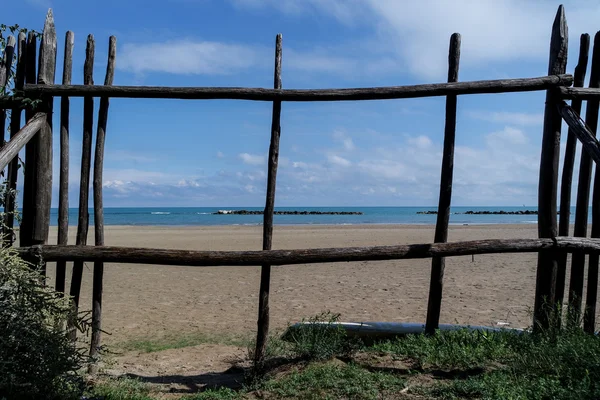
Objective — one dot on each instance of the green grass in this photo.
(154, 344)
(448, 365)
(333, 381)
(121, 389)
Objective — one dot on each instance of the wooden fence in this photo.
(553, 246)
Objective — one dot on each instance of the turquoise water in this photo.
(167, 216)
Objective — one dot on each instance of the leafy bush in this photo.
(37, 359)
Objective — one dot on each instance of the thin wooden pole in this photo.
(589, 316)
(265, 272)
(567, 175)
(15, 126)
(25, 229)
(63, 190)
(5, 69)
(42, 162)
(99, 210)
(547, 192)
(436, 282)
(261, 94)
(84, 185)
(583, 193)
(189, 258)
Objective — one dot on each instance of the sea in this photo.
(205, 216)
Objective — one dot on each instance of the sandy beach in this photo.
(148, 301)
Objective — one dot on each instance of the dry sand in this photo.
(147, 301)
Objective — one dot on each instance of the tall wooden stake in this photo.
(99, 210)
(265, 274)
(547, 192)
(39, 164)
(583, 194)
(15, 126)
(567, 175)
(63, 190)
(6, 61)
(84, 185)
(25, 228)
(436, 283)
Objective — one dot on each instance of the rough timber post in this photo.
(547, 190)
(567, 177)
(265, 274)
(436, 283)
(84, 183)
(99, 210)
(41, 163)
(63, 190)
(15, 126)
(583, 193)
(25, 227)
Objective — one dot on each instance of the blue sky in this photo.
(213, 153)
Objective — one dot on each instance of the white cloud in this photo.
(339, 161)
(420, 142)
(220, 154)
(513, 118)
(188, 57)
(417, 34)
(347, 142)
(252, 159)
(508, 135)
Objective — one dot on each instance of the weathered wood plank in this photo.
(6, 62)
(570, 93)
(260, 94)
(15, 126)
(436, 283)
(548, 182)
(26, 226)
(99, 210)
(63, 189)
(84, 183)
(42, 160)
(265, 274)
(589, 315)
(583, 189)
(568, 164)
(20, 139)
(5, 70)
(190, 258)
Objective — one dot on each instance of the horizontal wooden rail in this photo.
(304, 256)
(580, 93)
(260, 94)
(14, 145)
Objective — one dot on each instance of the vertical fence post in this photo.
(547, 191)
(6, 61)
(63, 190)
(39, 165)
(583, 195)
(265, 272)
(84, 183)
(589, 315)
(567, 174)
(99, 210)
(25, 228)
(15, 126)
(436, 283)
